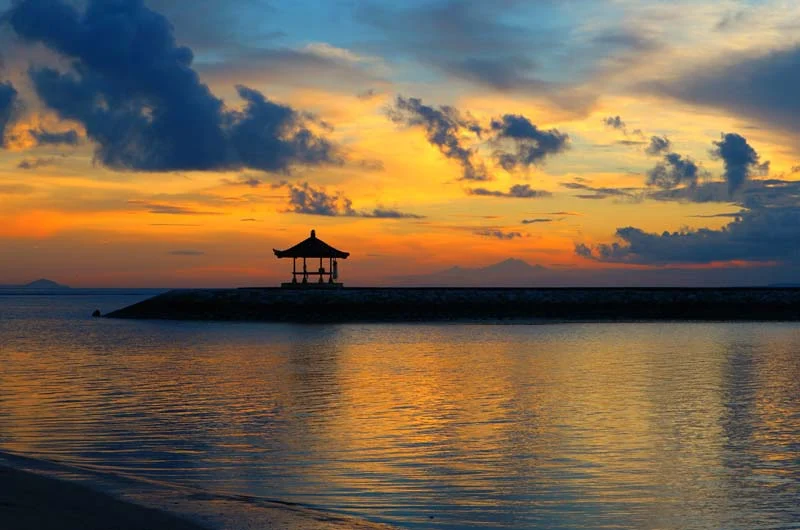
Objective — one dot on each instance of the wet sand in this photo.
(33, 502)
(40, 501)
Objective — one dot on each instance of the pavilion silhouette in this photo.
(313, 248)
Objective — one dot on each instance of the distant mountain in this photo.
(44, 283)
(41, 283)
(507, 273)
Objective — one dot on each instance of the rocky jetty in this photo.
(454, 304)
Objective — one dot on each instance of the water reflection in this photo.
(449, 426)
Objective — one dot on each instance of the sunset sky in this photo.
(176, 142)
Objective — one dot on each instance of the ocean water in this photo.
(662, 425)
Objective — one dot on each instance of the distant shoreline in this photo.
(409, 304)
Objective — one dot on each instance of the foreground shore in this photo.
(38, 501)
(480, 304)
(32, 502)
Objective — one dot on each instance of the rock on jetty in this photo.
(468, 304)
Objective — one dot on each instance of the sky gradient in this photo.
(168, 143)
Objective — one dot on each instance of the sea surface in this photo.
(664, 425)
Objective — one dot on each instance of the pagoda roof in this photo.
(311, 248)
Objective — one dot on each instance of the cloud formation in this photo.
(531, 145)
(304, 198)
(8, 99)
(740, 159)
(765, 234)
(36, 163)
(517, 191)
(517, 142)
(673, 171)
(499, 234)
(658, 145)
(598, 192)
(762, 87)
(136, 94)
(615, 122)
(444, 127)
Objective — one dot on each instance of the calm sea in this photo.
(664, 425)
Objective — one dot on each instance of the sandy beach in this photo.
(34, 501)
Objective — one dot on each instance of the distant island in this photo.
(42, 283)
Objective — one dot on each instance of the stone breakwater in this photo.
(479, 304)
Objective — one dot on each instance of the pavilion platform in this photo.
(312, 285)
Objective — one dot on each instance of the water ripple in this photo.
(671, 425)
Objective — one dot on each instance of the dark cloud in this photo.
(369, 165)
(517, 191)
(368, 94)
(444, 127)
(307, 199)
(245, 180)
(531, 145)
(535, 221)
(187, 252)
(658, 146)
(169, 209)
(753, 194)
(740, 159)
(762, 88)
(765, 234)
(499, 234)
(43, 137)
(731, 19)
(36, 163)
(388, 213)
(8, 99)
(135, 92)
(674, 171)
(615, 122)
(517, 141)
(598, 193)
(272, 137)
(583, 250)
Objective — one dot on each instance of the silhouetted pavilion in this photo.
(313, 248)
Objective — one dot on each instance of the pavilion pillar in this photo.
(305, 271)
(294, 270)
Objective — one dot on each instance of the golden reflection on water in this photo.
(563, 426)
